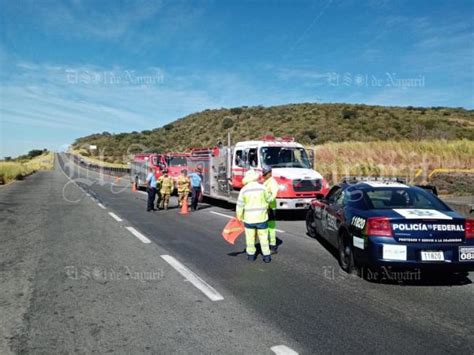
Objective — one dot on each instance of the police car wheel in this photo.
(346, 255)
(309, 224)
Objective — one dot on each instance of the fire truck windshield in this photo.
(176, 161)
(284, 157)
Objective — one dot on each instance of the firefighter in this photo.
(271, 186)
(151, 190)
(252, 209)
(183, 187)
(166, 187)
(158, 193)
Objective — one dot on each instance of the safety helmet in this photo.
(250, 176)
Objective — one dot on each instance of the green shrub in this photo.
(348, 114)
(227, 123)
(236, 110)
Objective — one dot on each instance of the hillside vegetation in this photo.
(310, 124)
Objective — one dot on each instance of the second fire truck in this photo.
(173, 162)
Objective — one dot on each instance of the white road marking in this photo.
(283, 350)
(138, 235)
(220, 214)
(114, 216)
(199, 283)
(71, 180)
(101, 206)
(227, 216)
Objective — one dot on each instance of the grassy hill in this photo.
(310, 124)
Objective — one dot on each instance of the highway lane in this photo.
(75, 279)
(302, 292)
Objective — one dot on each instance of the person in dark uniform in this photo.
(196, 187)
(151, 190)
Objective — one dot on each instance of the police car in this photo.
(390, 224)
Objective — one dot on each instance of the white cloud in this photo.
(85, 19)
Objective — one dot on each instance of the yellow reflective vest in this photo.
(272, 187)
(166, 184)
(183, 184)
(252, 204)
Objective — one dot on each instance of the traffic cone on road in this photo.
(117, 179)
(184, 208)
(134, 187)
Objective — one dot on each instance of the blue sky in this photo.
(72, 68)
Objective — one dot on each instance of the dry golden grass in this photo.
(411, 159)
(17, 170)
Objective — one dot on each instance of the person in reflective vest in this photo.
(271, 186)
(252, 209)
(183, 187)
(166, 187)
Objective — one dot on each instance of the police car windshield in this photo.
(176, 161)
(283, 157)
(395, 197)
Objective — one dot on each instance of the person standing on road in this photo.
(183, 187)
(166, 187)
(252, 209)
(271, 186)
(196, 188)
(151, 190)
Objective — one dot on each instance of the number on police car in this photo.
(432, 256)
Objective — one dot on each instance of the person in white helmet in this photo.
(252, 209)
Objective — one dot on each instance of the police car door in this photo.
(333, 215)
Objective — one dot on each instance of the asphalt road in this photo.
(75, 279)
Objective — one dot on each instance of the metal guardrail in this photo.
(101, 169)
(441, 171)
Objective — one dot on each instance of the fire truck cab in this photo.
(224, 168)
(140, 165)
(176, 162)
(173, 162)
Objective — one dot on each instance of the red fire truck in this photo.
(224, 168)
(173, 162)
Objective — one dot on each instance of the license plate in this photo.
(432, 256)
(466, 253)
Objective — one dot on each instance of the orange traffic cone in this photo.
(117, 179)
(134, 187)
(184, 208)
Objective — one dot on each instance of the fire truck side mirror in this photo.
(311, 158)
